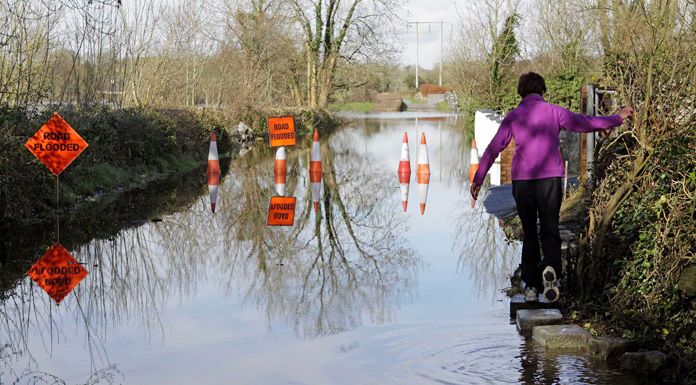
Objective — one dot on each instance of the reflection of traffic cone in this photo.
(213, 171)
(423, 174)
(473, 166)
(404, 171)
(315, 171)
(280, 171)
(473, 160)
(423, 192)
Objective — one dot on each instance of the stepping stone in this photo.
(561, 336)
(610, 348)
(644, 362)
(517, 302)
(687, 280)
(529, 318)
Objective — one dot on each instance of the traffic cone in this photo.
(213, 171)
(473, 165)
(404, 172)
(315, 171)
(423, 174)
(280, 170)
(473, 160)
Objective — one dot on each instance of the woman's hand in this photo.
(625, 112)
(475, 188)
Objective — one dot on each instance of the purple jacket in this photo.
(535, 125)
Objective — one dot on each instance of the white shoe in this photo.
(531, 294)
(551, 292)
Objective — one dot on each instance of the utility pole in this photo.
(417, 55)
(442, 27)
(442, 37)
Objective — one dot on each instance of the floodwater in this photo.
(361, 293)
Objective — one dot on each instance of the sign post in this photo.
(56, 144)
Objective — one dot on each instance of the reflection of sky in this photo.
(213, 330)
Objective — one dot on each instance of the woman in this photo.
(537, 171)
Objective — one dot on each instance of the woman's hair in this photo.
(531, 83)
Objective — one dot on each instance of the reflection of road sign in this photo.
(281, 211)
(57, 272)
(280, 170)
(56, 144)
(281, 131)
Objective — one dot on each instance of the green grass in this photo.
(443, 107)
(354, 107)
(415, 100)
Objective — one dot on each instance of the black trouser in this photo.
(539, 198)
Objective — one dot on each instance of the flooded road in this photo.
(360, 293)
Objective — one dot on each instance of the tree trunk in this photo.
(593, 265)
(326, 86)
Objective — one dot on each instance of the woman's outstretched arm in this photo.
(572, 121)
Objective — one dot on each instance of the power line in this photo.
(429, 24)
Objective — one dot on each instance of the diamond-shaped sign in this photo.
(56, 144)
(57, 272)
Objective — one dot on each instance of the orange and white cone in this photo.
(423, 174)
(404, 171)
(280, 171)
(473, 160)
(473, 165)
(315, 171)
(213, 171)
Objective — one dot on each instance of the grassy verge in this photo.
(306, 120)
(443, 107)
(128, 148)
(354, 107)
(414, 100)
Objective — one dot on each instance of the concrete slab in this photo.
(529, 318)
(610, 348)
(644, 362)
(517, 302)
(566, 337)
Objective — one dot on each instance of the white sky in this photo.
(429, 42)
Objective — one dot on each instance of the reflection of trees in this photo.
(129, 278)
(450, 148)
(483, 247)
(332, 267)
(324, 275)
(481, 244)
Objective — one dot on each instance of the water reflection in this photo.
(336, 265)
(484, 250)
(357, 292)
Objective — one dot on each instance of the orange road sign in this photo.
(56, 144)
(57, 272)
(281, 131)
(281, 211)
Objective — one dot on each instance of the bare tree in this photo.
(487, 43)
(334, 30)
